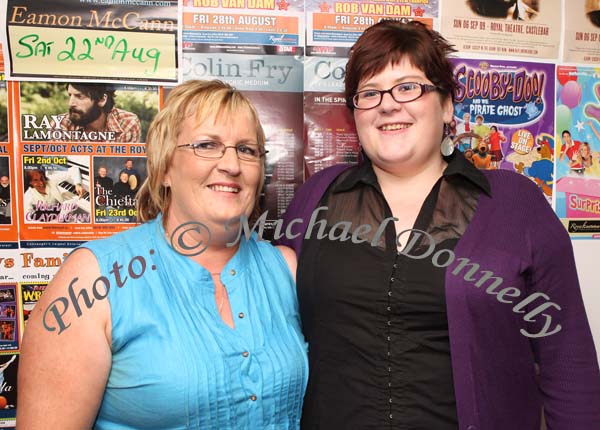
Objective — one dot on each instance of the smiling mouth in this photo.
(224, 188)
(393, 127)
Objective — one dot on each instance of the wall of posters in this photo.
(578, 150)
(63, 183)
(529, 28)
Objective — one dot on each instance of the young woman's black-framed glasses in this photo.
(211, 150)
(401, 93)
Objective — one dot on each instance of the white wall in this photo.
(587, 257)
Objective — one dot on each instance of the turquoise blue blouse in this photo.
(175, 363)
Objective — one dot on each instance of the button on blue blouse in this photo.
(175, 363)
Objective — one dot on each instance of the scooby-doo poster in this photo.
(504, 117)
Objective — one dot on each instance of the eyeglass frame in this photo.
(262, 153)
(425, 88)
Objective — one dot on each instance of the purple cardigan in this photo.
(516, 235)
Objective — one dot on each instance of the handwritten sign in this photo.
(102, 54)
(94, 42)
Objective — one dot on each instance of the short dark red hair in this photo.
(389, 41)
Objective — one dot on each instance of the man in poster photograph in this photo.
(522, 10)
(133, 175)
(4, 187)
(592, 10)
(102, 182)
(5, 209)
(570, 149)
(464, 134)
(92, 108)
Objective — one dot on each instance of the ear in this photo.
(102, 101)
(166, 178)
(447, 109)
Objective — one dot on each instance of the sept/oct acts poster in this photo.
(80, 157)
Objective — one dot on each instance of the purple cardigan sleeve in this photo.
(570, 379)
(569, 375)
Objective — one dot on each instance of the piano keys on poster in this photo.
(57, 193)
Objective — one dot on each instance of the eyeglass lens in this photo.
(209, 149)
(401, 93)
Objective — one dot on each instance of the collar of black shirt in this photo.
(457, 165)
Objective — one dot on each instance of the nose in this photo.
(388, 103)
(229, 163)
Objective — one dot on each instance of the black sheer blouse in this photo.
(375, 319)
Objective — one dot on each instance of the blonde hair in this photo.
(585, 162)
(202, 99)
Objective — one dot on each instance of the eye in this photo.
(247, 149)
(407, 87)
(205, 145)
(368, 94)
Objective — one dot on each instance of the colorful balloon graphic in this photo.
(564, 117)
(570, 94)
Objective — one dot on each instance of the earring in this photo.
(447, 146)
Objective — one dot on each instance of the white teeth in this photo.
(389, 127)
(224, 188)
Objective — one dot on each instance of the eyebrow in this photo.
(407, 78)
(217, 138)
